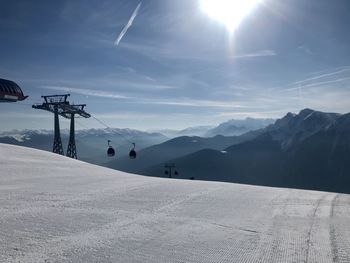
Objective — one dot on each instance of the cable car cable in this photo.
(110, 151)
(111, 129)
(132, 153)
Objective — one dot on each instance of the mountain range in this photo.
(190, 131)
(91, 143)
(239, 127)
(309, 150)
(229, 128)
(174, 148)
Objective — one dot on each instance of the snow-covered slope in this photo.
(54, 209)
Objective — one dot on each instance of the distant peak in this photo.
(306, 111)
(290, 115)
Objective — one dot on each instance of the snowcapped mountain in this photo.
(91, 144)
(24, 135)
(55, 209)
(190, 131)
(194, 131)
(309, 150)
(238, 127)
(130, 133)
(228, 128)
(296, 127)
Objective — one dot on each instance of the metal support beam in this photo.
(57, 142)
(72, 149)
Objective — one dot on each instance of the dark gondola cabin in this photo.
(110, 151)
(132, 153)
(10, 91)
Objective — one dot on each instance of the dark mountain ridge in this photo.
(174, 148)
(309, 150)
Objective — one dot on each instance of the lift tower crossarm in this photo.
(77, 109)
(53, 102)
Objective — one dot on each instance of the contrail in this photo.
(323, 76)
(128, 25)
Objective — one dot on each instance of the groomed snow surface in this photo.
(54, 209)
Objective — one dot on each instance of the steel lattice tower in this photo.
(57, 142)
(69, 113)
(59, 106)
(72, 148)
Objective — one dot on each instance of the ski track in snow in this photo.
(54, 209)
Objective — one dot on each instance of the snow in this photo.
(309, 115)
(24, 135)
(54, 209)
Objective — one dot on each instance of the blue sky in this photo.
(175, 67)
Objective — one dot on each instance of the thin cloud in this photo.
(88, 92)
(152, 101)
(194, 103)
(311, 99)
(255, 114)
(128, 25)
(128, 116)
(168, 51)
(305, 49)
(261, 53)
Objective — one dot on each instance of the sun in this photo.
(229, 12)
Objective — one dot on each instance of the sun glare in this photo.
(230, 12)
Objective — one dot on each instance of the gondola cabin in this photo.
(10, 91)
(110, 150)
(132, 153)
